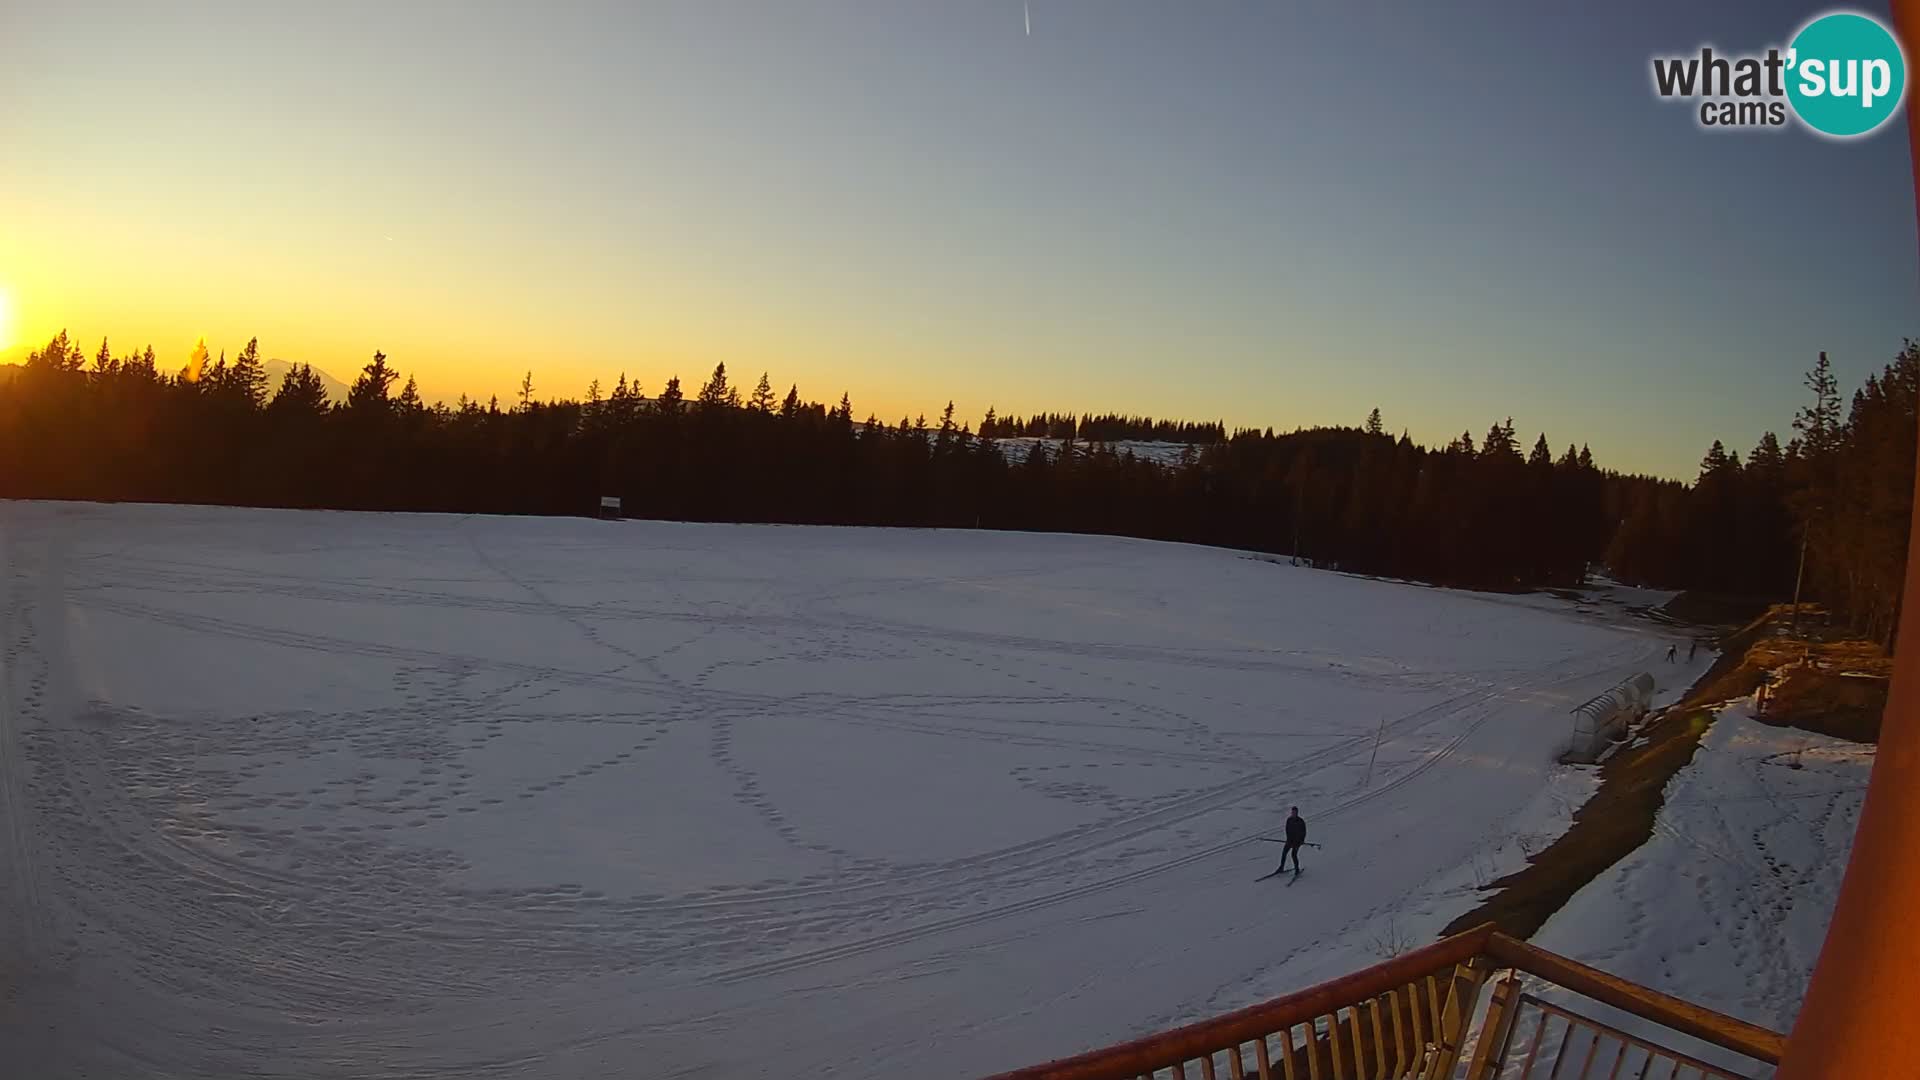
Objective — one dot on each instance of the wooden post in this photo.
(1495, 1032)
(1463, 996)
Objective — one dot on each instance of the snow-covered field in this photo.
(314, 794)
(1727, 906)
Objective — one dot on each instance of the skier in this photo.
(1296, 838)
(1670, 651)
(1692, 649)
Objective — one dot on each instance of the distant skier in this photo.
(1671, 649)
(1692, 649)
(1296, 838)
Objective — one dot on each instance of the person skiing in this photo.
(1296, 838)
(1692, 648)
(1670, 652)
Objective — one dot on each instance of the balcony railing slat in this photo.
(1420, 1039)
(1432, 996)
(1433, 1004)
(1677, 1063)
(1593, 1048)
(1377, 1016)
(1706, 1025)
(1619, 1059)
(1374, 1009)
(1560, 1055)
(1399, 1035)
(1359, 1034)
(1333, 1042)
(1181, 1044)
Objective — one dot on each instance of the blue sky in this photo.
(1276, 214)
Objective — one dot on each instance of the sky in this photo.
(1274, 214)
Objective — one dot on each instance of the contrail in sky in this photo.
(1027, 11)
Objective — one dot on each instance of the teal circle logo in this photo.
(1846, 75)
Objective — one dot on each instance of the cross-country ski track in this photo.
(297, 794)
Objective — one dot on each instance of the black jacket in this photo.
(1296, 830)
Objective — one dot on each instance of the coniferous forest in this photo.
(1830, 506)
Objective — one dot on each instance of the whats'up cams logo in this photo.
(1843, 75)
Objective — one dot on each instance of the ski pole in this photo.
(1277, 840)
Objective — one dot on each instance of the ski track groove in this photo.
(1042, 851)
(398, 924)
(903, 936)
(709, 699)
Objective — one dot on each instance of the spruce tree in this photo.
(246, 381)
(945, 437)
(61, 354)
(214, 378)
(369, 393)
(715, 393)
(1542, 454)
(1766, 457)
(301, 394)
(671, 401)
(762, 399)
(1819, 422)
(1814, 480)
(1500, 444)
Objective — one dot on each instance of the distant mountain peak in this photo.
(277, 370)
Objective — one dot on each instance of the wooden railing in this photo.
(1757, 1044)
(1408, 1019)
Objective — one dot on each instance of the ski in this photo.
(1264, 877)
(1296, 877)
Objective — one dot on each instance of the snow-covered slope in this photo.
(317, 794)
(1728, 905)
